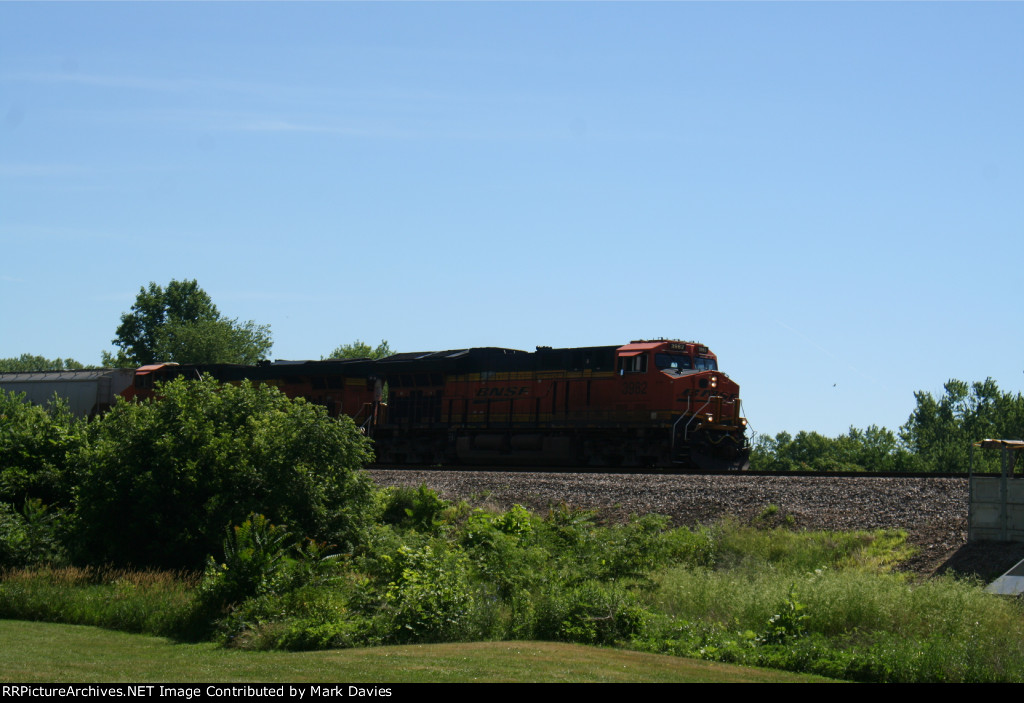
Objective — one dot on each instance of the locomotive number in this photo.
(634, 388)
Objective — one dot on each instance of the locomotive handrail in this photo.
(672, 452)
(365, 424)
(686, 427)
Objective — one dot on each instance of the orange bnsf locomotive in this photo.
(646, 404)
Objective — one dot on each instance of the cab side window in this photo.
(633, 364)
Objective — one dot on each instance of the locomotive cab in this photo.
(696, 407)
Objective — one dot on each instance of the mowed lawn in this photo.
(45, 652)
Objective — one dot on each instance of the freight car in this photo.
(660, 403)
(87, 392)
(344, 387)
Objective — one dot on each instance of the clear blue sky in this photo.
(829, 195)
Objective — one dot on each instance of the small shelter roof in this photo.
(1014, 445)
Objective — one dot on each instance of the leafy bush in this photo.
(432, 600)
(418, 509)
(32, 538)
(34, 443)
(310, 617)
(254, 563)
(503, 552)
(789, 623)
(591, 613)
(205, 454)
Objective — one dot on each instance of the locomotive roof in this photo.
(640, 346)
(283, 369)
(452, 354)
(452, 360)
(498, 359)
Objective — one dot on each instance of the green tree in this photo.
(34, 443)
(213, 341)
(180, 323)
(942, 431)
(30, 362)
(158, 481)
(873, 449)
(362, 350)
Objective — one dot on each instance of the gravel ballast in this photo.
(933, 511)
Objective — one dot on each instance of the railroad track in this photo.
(660, 471)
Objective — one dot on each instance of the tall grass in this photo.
(155, 602)
(751, 548)
(824, 603)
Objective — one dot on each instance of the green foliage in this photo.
(516, 521)
(31, 537)
(845, 623)
(771, 516)
(180, 323)
(361, 350)
(848, 621)
(787, 624)
(213, 342)
(591, 613)
(34, 444)
(419, 509)
(729, 593)
(30, 362)
(178, 469)
(582, 550)
(138, 333)
(873, 449)
(273, 593)
(755, 548)
(159, 603)
(937, 437)
(254, 561)
(431, 601)
(308, 617)
(504, 553)
(940, 432)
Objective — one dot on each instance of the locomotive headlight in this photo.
(711, 418)
(714, 381)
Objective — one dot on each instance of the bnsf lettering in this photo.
(502, 392)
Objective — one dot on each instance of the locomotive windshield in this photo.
(673, 361)
(706, 364)
(682, 362)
